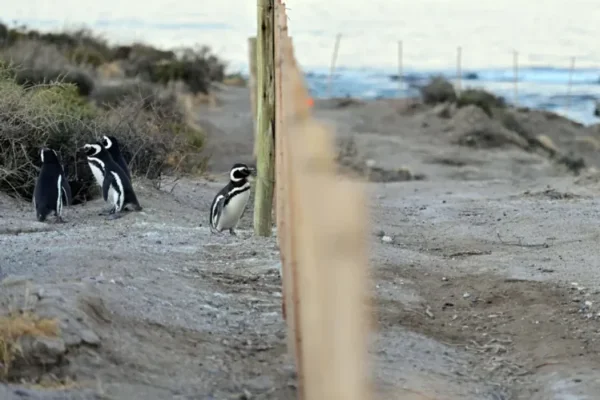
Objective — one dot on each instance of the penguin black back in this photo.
(52, 190)
(112, 145)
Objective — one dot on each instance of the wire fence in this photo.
(322, 239)
(567, 90)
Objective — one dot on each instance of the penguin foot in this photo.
(232, 232)
(106, 211)
(59, 220)
(114, 216)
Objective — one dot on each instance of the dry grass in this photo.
(13, 328)
(152, 129)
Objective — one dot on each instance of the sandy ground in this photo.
(485, 274)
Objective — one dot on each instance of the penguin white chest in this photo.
(232, 212)
(59, 199)
(98, 175)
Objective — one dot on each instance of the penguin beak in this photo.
(252, 171)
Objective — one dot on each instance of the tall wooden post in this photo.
(253, 87)
(265, 124)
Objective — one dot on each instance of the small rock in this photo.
(45, 350)
(444, 279)
(370, 163)
(88, 336)
(386, 239)
(466, 295)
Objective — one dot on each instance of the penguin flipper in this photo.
(66, 190)
(218, 209)
(108, 179)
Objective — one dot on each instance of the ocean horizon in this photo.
(546, 38)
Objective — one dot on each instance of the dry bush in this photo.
(82, 53)
(483, 99)
(154, 138)
(15, 327)
(36, 62)
(438, 90)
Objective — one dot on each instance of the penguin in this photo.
(116, 186)
(52, 190)
(112, 145)
(229, 204)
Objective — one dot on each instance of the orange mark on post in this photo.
(310, 102)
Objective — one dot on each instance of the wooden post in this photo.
(570, 84)
(253, 87)
(263, 199)
(333, 60)
(458, 70)
(516, 76)
(400, 69)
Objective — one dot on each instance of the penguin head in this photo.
(240, 172)
(110, 142)
(92, 150)
(48, 156)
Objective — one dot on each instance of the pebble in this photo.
(386, 239)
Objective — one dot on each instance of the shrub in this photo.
(35, 63)
(113, 95)
(235, 80)
(55, 116)
(478, 97)
(82, 50)
(438, 90)
(196, 68)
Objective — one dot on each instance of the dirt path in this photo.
(485, 286)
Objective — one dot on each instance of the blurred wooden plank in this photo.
(330, 225)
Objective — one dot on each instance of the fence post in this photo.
(253, 87)
(332, 68)
(570, 84)
(263, 197)
(516, 76)
(400, 69)
(459, 70)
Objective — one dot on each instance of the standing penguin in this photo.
(116, 186)
(52, 189)
(230, 203)
(113, 147)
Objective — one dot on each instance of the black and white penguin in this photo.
(116, 186)
(52, 190)
(229, 204)
(112, 145)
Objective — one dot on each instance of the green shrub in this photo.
(56, 116)
(485, 100)
(438, 90)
